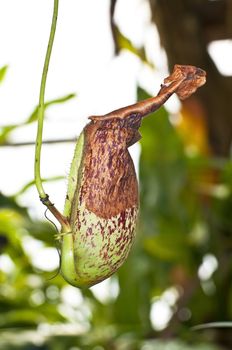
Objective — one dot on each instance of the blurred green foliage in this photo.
(123, 43)
(3, 71)
(186, 201)
(7, 129)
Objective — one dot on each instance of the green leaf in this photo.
(43, 231)
(34, 115)
(123, 42)
(168, 246)
(6, 130)
(3, 71)
(31, 183)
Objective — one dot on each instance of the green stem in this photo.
(38, 181)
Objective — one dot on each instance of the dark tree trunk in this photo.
(186, 27)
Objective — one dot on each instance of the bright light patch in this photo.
(6, 264)
(171, 296)
(107, 290)
(173, 106)
(47, 330)
(72, 296)
(74, 307)
(132, 16)
(208, 267)
(46, 259)
(34, 281)
(221, 191)
(154, 51)
(135, 151)
(221, 53)
(37, 297)
(160, 314)
(43, 258)
(52, 292)
(175, 118)
(162, 308)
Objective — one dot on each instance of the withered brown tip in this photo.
(184, 80)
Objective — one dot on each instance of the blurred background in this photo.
(108, 54)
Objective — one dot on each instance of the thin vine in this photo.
(38, 180)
